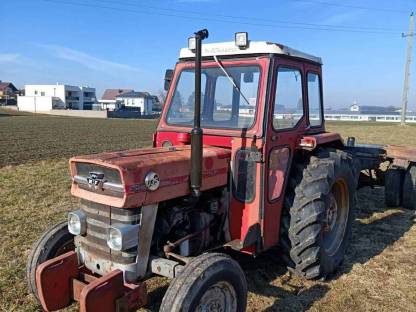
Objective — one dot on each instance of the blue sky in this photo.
(129, 44)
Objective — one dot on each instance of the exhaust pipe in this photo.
(196, 133)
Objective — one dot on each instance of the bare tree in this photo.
(161, 94)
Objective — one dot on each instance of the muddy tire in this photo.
(318, 213)
(409, 188)
(210, 282)
(54, 242)
(393, 185)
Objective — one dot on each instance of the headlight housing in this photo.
(77, 222)
(122, 237)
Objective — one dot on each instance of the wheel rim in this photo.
(336, 217)
(220, 297)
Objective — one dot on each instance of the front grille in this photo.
(109, 184)
(99, 218)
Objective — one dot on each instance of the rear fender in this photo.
(313, 141)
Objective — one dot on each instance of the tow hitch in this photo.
(61, 281)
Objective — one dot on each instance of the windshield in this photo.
(222, 104)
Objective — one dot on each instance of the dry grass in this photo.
(378, 274)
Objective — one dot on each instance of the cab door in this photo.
(286, 122)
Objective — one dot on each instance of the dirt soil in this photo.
(378, 274)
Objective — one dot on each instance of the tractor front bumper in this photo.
(61, 280)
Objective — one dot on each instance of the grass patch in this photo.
(378, 273)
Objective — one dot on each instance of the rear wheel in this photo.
(319, 211)
(409, 188)
(210, 282)
(54, 242)
(393, 184)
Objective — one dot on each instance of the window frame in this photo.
(192, 69)
(293, 67)
(321, 105)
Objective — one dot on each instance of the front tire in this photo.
(55, 241)
(210, 282)
(319, 211)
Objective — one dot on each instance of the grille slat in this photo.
(99, 219)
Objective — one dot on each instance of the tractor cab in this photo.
(259, 99)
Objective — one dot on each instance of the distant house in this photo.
(8, 93)
(378, 110)
(108, 100)
(136, 101)
(59, 96)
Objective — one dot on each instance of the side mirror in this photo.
(168, 78)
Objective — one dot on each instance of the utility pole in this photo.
(407, 67)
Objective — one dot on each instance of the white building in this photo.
(141, 101)
(40, 98)
(108, 100)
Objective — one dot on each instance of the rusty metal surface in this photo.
(401, 152)
(171, 164)
(53, 281)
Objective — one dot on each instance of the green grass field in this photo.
(378, 274)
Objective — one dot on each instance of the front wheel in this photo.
(54, 242)
(210, 282)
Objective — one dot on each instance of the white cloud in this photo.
(85, 59)
(9, 58)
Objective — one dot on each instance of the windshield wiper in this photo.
(231, 79)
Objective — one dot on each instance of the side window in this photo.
(315, 101)
(288, 103)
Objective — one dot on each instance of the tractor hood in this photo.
(128, 179)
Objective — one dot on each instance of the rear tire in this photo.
(320, 200)
(393, 185)
(55, 241)
(210, 282)
(409, 188)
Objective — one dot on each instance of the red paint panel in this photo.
(53, 281)
(176, 139)
(310, 142)
(244, 215)
(278, 164)
(102, 293)
(171, 164)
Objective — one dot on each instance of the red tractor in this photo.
(241, 161)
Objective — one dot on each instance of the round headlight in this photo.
(76, 223)
(114, 239)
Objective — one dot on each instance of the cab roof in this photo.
(254, 47)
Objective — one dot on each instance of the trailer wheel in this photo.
(320, 200)
(393, 184)
(210, 282)
(409, 188)
(55, 241)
